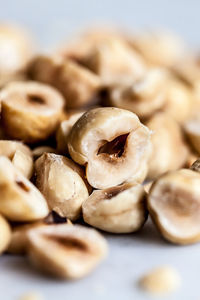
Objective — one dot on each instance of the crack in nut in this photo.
(22, 185)
(114, 148)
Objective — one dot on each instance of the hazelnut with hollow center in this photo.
(73, 251)
(113, 145)
(30, 110)
(174, 205)
(120, 209)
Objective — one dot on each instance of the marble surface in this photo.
(130, 255)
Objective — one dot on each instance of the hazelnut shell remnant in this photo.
(30, 110)
(120, 209)
(61, 181)
(113, 145)
(174, 204)
(73, 251)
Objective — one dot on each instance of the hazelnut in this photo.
(143, 97)
(159, 48)
(161, 280)
(113, 145)
(78, 84)
(30, 110)
(19, 198)
(73, 251)
(5, 236)
(114, 61)
(15, 50)
(178, 98)
(19, 154)
(173, 203)
(169, 149)
(118, 209)
(61, 182)
(64, 130)
(18, 243)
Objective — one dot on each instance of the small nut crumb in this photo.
(161, 280)
(31, 296)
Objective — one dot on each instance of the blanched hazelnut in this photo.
(178, 98)
(64, 130)
(143, 97)
(73, 251)
(113, 145)
(18, 243)
(159, 48)
(61, 182)
(78, 84)
(174, 205)
(5, 236)
(192, 131)
(15, 50)
(120, 209)
(161, 280)
(19, 154)
(30, 110)
(19, 198)
(169, 149)
(114, 61)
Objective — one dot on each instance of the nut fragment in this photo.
(31, 296)
(64, 130)
(143, 97)
(73, 251)
(159, 48)
(113, 145)
(19, 198)
(169, 149)
(174, 205)
(114, 61)
(61, 182)
(19, 154)
(119, 209)
(5, 234)
(162, 280)
(30, 110)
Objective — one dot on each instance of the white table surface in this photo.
(130, 255)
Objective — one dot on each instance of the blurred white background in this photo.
(52, 20)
